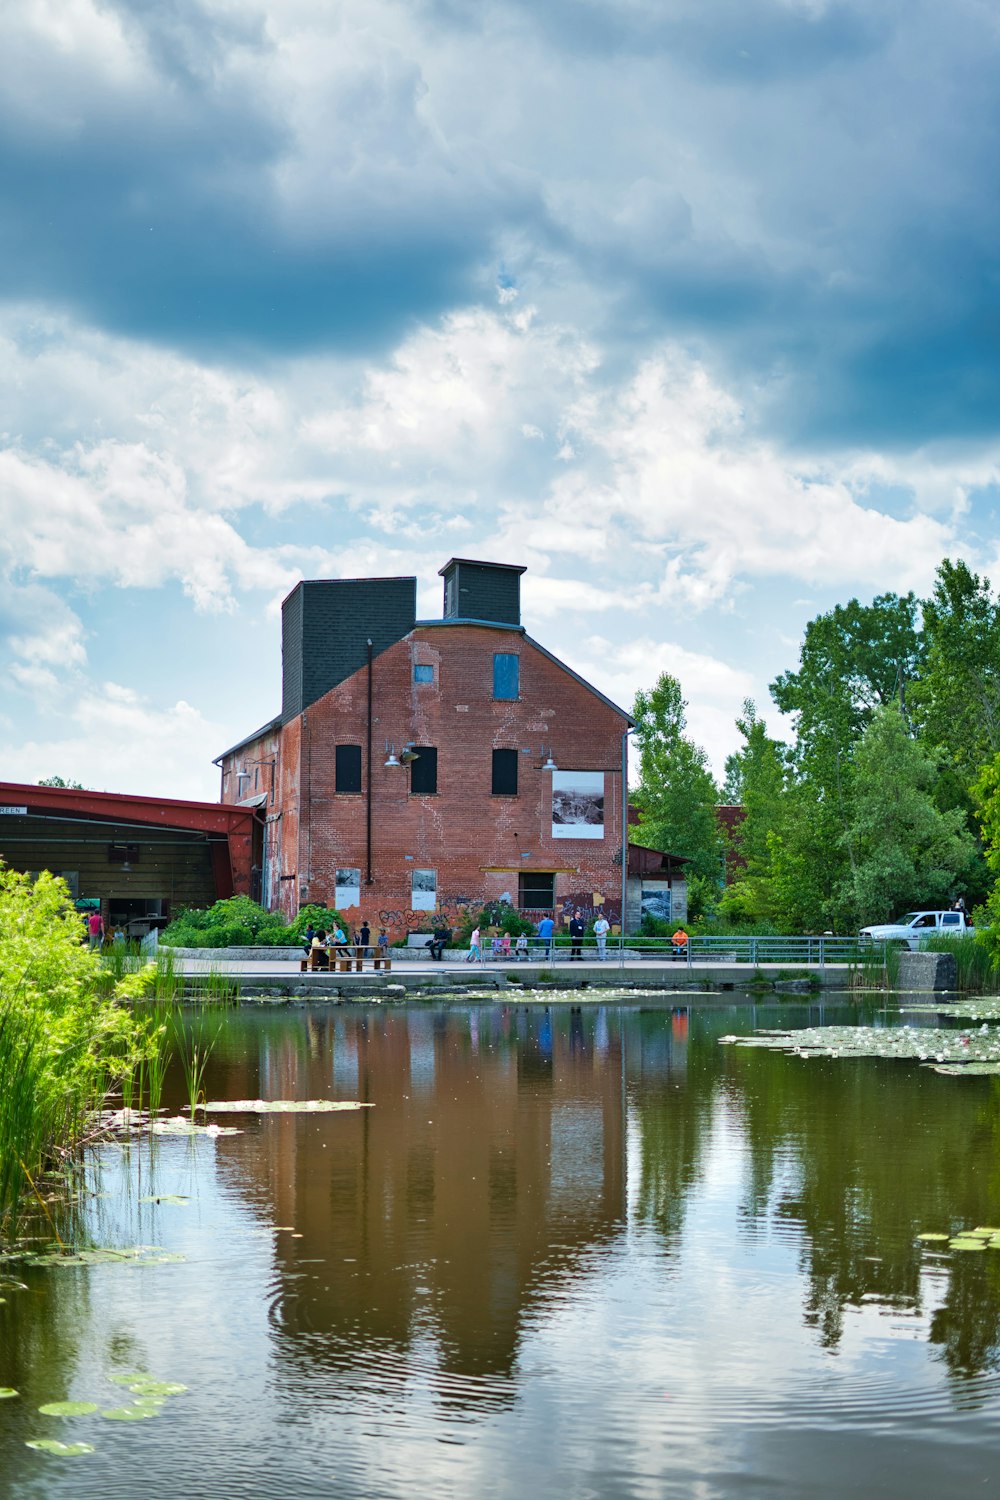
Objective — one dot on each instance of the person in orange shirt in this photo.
(680, 942)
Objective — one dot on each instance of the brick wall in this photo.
(476, 843)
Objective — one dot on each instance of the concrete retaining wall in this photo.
(927, 971)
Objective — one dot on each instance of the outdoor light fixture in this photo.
(405, 756)
(549, 764)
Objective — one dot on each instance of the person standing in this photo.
(364, 938)
(521, 946)
(601, 929)
(473, 955)
(577, 928)
(546, 930)
(95, 929)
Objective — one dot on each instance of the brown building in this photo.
(421, 767)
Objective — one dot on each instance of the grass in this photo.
(976, 973)
(194, 1038)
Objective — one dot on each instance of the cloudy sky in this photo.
(691, 306)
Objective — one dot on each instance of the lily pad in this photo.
(132, 1255)
(155, 1388)
(126, 1379)
(967, 1244)
(280, 1106)
(61, 1450)
(134, 1413)
(6, 1392)
(947, 1050)
(932, 1236)
(68, 1408)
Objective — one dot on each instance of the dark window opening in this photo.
(424, 770)
(347, 768)
(505, 773)
(506, 675)
(536, 890)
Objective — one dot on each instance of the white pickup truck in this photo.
(917, 926)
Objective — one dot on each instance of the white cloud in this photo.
(646, 505)
(113, 739)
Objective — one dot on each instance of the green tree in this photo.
(677, 795)
(854, 660)
(986, 796)
(907, 852)
(957, 700)
(756, 779)
(71, 786)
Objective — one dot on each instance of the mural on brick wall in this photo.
(577, 804)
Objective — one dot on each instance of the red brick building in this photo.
(421, 767)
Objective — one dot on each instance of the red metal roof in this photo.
(159, 812)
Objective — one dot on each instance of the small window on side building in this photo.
(347, 768)
(506, 675)
(424, 770)
(423, 673)
(505, 773)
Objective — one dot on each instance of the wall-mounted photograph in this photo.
(577, 804)
(348, 889)
(423, 890)
(656, 902)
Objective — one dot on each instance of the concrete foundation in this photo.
(927, 971)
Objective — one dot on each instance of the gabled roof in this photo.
(249, 739)
(581, 680)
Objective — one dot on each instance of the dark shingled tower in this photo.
(326, 624)
(482, 591)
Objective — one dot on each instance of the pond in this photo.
(585, 1251)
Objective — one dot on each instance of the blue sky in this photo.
(691, 309)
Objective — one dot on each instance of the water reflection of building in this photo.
(490, 1166)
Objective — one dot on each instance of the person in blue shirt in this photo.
(546, 929)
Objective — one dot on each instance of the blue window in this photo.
(423, 674)
(506, 675)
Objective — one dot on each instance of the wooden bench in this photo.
(340, 965)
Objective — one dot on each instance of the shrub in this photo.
(498, 914)
(65, 1039)
(236, 922)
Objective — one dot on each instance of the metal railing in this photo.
(792, 951)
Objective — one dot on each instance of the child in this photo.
(521, 946)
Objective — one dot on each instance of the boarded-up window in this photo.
(506, 674)
(536, 890)
(348, 768)
(505, 773)
(424, 770)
